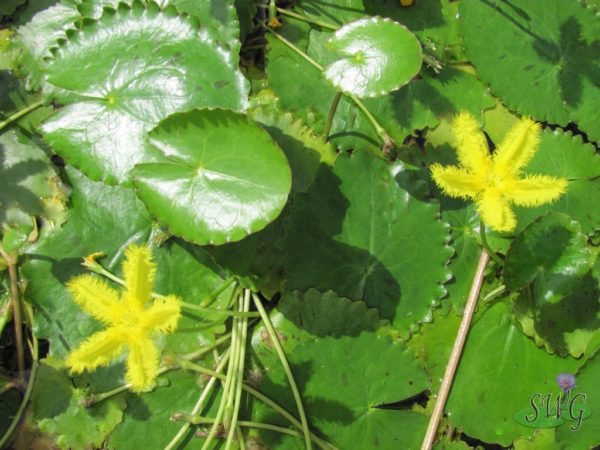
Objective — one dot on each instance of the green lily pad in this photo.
(303, 316)
(498, 354)
(355, 232)
(379, 56)
(567, 327)
(58, 409)
(551, 255)
(39, 34)
(343, 389)
(221, 177)
(542, 48)
(218, 15)
(147, 415)
(120, 75)
(29, 184)
(433, 343)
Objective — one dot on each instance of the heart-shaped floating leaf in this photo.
(378, 56)
(552, 254)
(119, 76)
(359, 233)
(222, 177)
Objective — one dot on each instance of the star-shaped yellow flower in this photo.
(130, 318)
(494, 181)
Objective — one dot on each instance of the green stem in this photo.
(288, 371)
(266, 400)
(287, 12)
(296, 49)
(332, 110)
(485, 245)
(21, 113)
(199, 420)
(240, 370)
(97, 398)
(198, 406)
(388, 142)
(493, 294)
(210, 298)
(198, 353)
(240, 435)
(223, 312)
(272, 9)
(229, 405)
(229, 379)
(100, 270)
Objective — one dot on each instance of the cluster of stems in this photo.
(232, 382)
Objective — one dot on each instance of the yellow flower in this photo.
(130, 318)
(494, 182)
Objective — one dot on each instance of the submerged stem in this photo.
(20, 113)
(486, 245)
(199, 420)
(227, 386)
(454, 358)
(332, 110)
(222, 312)
(266, 400)
(288, 371)
(198, 406)
(245, 305)
(296, 49)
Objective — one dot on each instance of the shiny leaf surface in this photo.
(378, 56)
(120, 75)
(551, 256)
(221, 176)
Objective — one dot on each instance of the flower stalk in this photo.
(459, 343)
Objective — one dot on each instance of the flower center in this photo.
(494, 180)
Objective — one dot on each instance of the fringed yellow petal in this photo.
(472, 148)
(96, 298)
(518, 147)
(535, 190)
(98, 350)
(138, 271)
(163, 316)
(456, 182)
(495, 211)
(142, 364)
